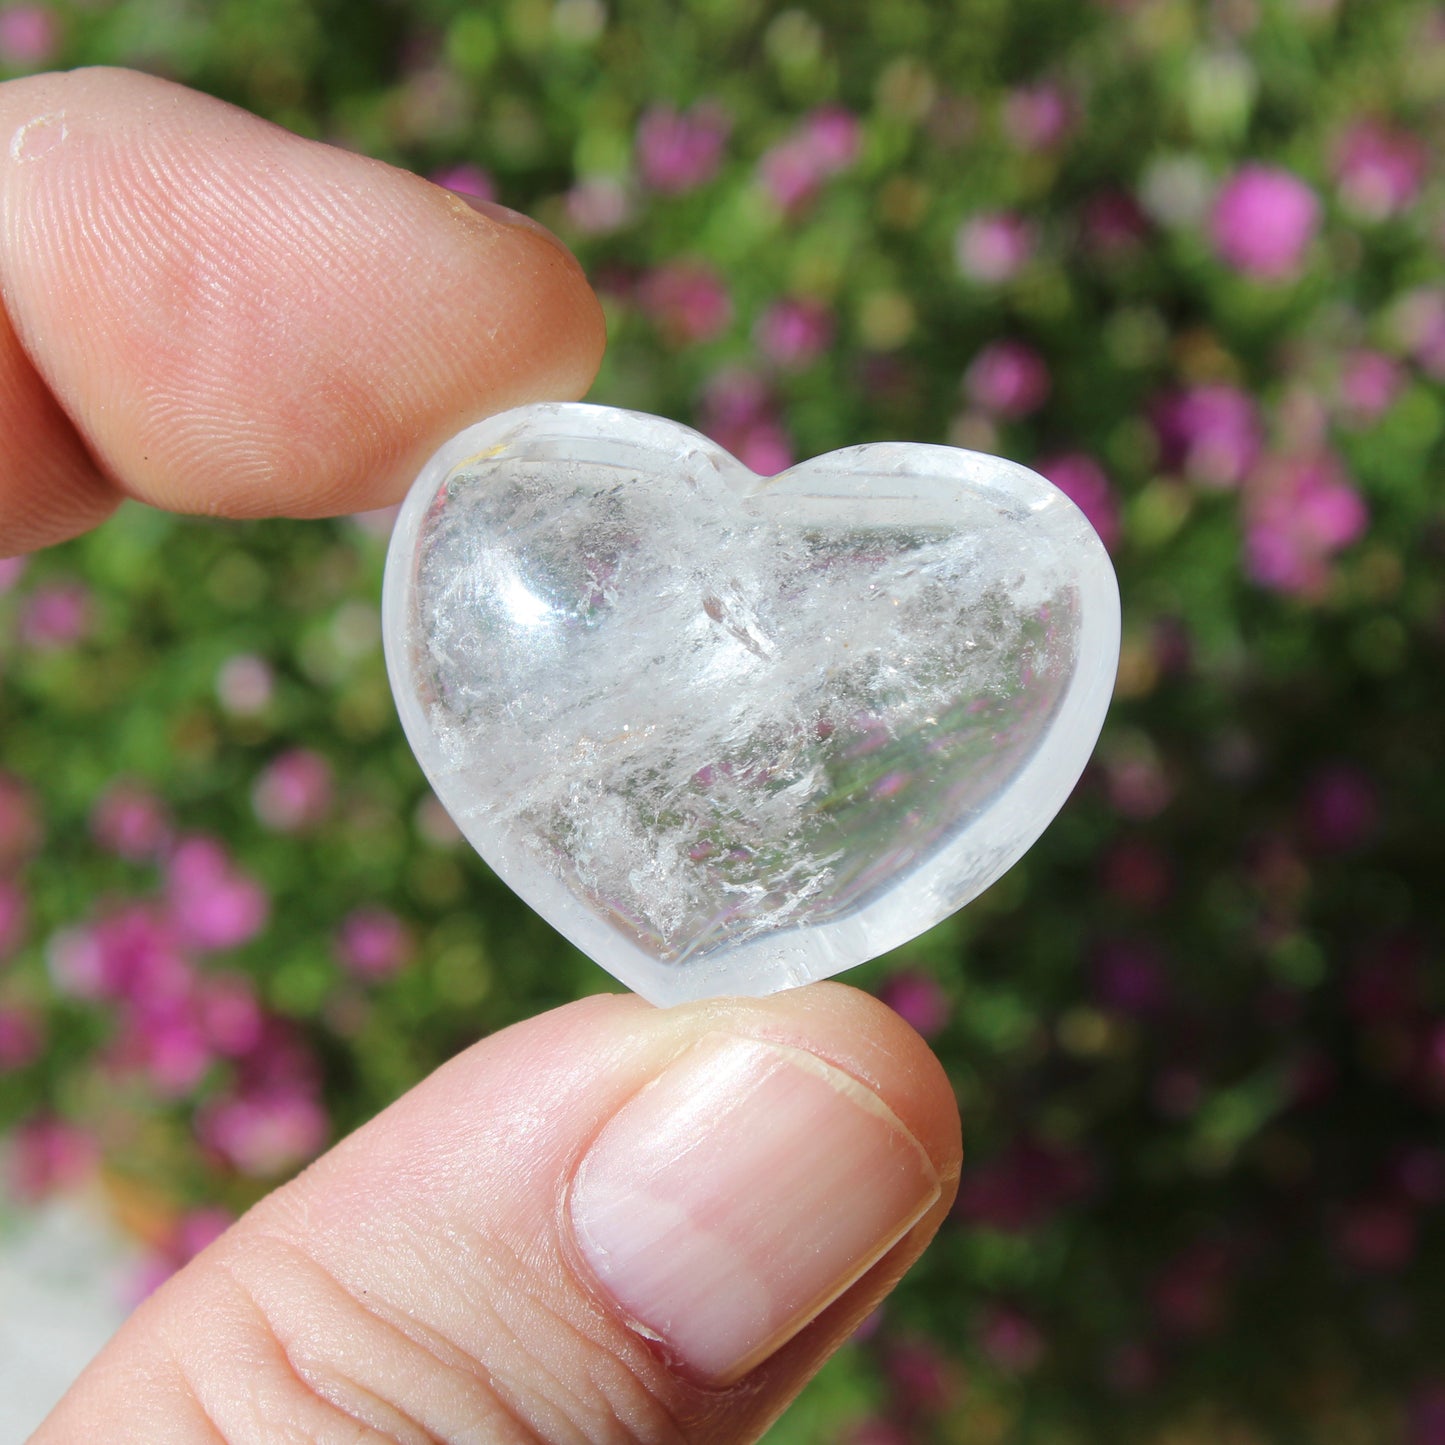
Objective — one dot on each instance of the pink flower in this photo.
(132, 954)
(468, 180)
(373, 943)
(1369, 384)
(1297, 517)
(1427, 1415)
(47, 1156)
(794, 333)
(1376, 1235)
(13, 915)
(1114, 224)
(739, 412)
(680, 151)
(1038, 117)
(921, 1376)
(1008, 379)
(1263, 221)
(919, 1000)
(1010, 1339)
(265, 1133)
(1379, 170)
(244, 684)
(994, 247)
(20, 828)
(1417, 320)
(163, 1038)
(1129, 978)
(230, 1015)
(1341, 809)
(598, 206)
(687, 301)
(21, 1038)
(1212, 432)
(1081, 479)
(1024, 1187)
(129, 821)
(293, 791)
(212, 904)
(29, 36)
(12, 569)
(825, 145)
(55, 615)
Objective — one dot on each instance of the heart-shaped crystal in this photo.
(730, 733)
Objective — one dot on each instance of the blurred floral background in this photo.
(1186, 257)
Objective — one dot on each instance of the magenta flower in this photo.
(29, 36)
(599, 205)
(680, 151)
(1038, 117)
(265, 1133)
(1023, 1188)
(1377, 1236)
(1130, 978)
(468, 180)
(12, 569)
(1379, 170)
(1341, 809)
(1008, 379)
(13, 915)
(1010, 1339)
(20, 826)
(919, 1000)
(794, 332)
(49, 1156)
(826, 144)
(132, 953)
(1417, 320)
(1213, 433)
(1427, 1415)
(1082, 480)
(293, 792)
(1114, 224)
(230, 1015)
(1263, 221)
(373, 943)
(22, 1037)
(994, 247)
(130, 821)
(55, 615)
(1297, 517)
(1369, 384)
(163, 1038)
(211, 903)
(687, 302)
(739, 412)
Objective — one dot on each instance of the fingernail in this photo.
(506, 216)
(739, 1194)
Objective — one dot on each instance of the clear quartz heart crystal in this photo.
(731, 733)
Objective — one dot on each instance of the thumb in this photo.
(612, 1222)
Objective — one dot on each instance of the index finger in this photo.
(209, 314)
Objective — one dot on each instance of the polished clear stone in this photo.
(730, 733)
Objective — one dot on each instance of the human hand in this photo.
(611, 1222)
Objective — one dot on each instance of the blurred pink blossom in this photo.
(20, 826)
(678, 151)
(162, 1037)
(264, 1133)
(1024, 1187)
(49, 1156)
(55, 615)
(22, 1037)
(1114, 223)
(1376, 1235)
(230, 1014)
(1341, 809)
(212, 904)
(130, 953)
(1379, 169)
(994, 247)
(293, 792)
(794, 332)
(739, 411)
(130, 821)
(1082, 480)
(468, 179)
(1007, 378)
(687, 301)
(918, 999)
(1427, 1415)
(1263, 221)
(1417, 321)
(1213, 432)
(373, 943)
(1297, 516)
(1130, 978)
(245, 684)
(1038, 117)
(29, 36)
(1010, 1339)
(598, 205)
(13, 915)
(920, 1375)
(1369, 384)
(1137, 785)
(12, 569)
(1191, 1293)
(826, 144)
